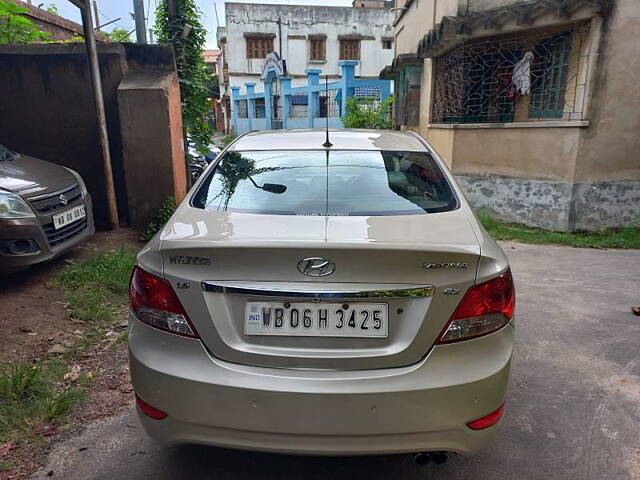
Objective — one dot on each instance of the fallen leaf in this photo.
(73, 374)
(6, 448)
(57, 348)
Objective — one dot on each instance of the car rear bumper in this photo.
(48, 247)
(422, 407)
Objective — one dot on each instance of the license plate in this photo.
(317, 319)
(72, 215)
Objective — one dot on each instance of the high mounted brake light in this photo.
(485, 308)
(153, 301)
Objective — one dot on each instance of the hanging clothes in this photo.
(522, 74)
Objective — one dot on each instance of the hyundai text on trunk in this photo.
(317, 299)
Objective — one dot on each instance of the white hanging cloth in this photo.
(522, 74)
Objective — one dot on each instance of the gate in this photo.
(276, 106)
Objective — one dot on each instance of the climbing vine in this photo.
(187, 36)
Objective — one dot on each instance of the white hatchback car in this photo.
(321, 299)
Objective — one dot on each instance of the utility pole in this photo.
(96, 83)
(141, 28)
(95, 12)
(151, 35)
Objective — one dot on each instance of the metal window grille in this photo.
(259, 47)
(259, 108)
(349, 49)
(299, 106)
(243, 111)
(317, 51)
(367, 97)
(483, 81)
(329, 103)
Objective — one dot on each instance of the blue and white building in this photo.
(290, 66)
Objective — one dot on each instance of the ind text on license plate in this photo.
(317, 319)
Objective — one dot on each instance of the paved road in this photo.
(573, 409)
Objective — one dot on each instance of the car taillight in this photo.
(153, 301)
(485, 308)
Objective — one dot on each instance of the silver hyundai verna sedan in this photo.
(321, 299)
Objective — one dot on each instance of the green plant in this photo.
(119, 35)
(31, 395)
(626, 237)
(107, 271)
(15, 28)
(187, 36)
(363, 112)
(227, 139)
(53, 9)
(19, 380)
(60, 403)
(162, 217)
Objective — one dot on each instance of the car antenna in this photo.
(327, 143)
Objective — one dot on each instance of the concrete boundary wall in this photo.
(47, 111)
(554, 205)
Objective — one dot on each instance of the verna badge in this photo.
(316, 266)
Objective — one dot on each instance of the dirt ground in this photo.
(34, 319)
(33, 315)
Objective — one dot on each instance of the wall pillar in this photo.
(235, 93)
(267, 105)
(251, 109)
(151, 127)
(347, 74)
(313, 76)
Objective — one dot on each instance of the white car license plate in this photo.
(70, 216)
(317, 319)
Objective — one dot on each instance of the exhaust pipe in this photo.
(422, 458)
(439, 458)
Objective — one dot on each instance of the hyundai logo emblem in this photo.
(316, 266)
(63, 200)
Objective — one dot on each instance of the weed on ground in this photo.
(627, 237)
(37, 395)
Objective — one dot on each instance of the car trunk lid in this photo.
(230, 259)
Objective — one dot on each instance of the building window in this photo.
(259, 108)
(259, 47)
(387, 44)
(549, 71)
(349, 49)
(243, 112)
(317, 50)
(512, 78)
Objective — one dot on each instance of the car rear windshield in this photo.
(330, 183)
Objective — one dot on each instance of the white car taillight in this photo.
(153, 301)
(485, 308)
